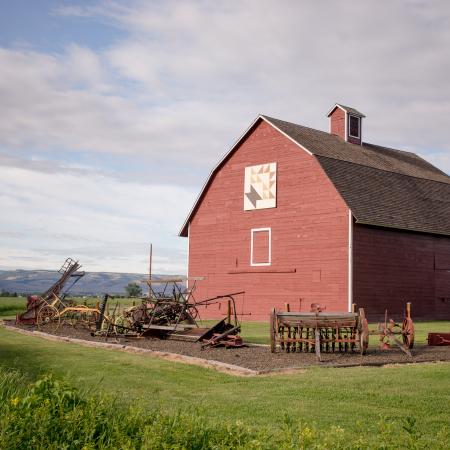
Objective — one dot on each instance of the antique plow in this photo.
(171, 313)
(318, 331)
(46, 309)
(227, 334)
(337, 331)
(389, 332)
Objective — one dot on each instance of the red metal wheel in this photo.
(48, 318)
(408, 333)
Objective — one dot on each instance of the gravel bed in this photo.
(260, 358)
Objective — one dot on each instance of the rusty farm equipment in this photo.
(318, 331)
(390, 331)
(171, 313)
(48, 310)
(438, 339)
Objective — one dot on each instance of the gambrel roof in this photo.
(381, 186)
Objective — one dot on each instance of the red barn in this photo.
(300, 216)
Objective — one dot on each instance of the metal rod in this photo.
(150, 262)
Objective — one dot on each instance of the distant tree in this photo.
(133, 289)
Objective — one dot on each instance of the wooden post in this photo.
(408, 310)
(273, 331)
(287, 307)
(229, 311)
(150, 262)
(317, 344)
(353, 307)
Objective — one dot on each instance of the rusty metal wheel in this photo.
(408, 333)
(193, 311)
(48, 319)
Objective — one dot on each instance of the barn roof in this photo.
(381, 186)
(351, 111)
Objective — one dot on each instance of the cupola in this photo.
(346, 123)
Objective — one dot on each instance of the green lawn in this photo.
(353, 398)
(364, 401)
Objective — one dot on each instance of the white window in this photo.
(261, 247)
(354, 126)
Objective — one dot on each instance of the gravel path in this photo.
(260, 358)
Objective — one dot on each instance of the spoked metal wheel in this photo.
(48, 319)
(408, 333)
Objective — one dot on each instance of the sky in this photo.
(112, 114)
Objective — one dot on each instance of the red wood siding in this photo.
(261, 245)
(309, 230)
(337, 124)
(392, 267)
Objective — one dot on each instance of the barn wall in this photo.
(309, 230)
(392, 267)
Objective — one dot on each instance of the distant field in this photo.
(10, 306)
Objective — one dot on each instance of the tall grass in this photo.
(51, 414)
(10, 306)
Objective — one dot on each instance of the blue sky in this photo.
(113, 113)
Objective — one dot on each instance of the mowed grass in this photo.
(356, 399)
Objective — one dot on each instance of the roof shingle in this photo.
(381, 186)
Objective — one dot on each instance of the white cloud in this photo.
(95, 218)
(173, 92)
(225, 62)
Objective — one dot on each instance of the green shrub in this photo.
(53, 415)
